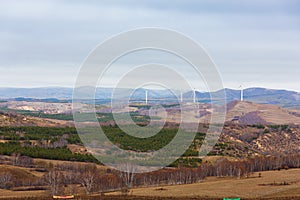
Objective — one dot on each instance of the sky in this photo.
(254, 43)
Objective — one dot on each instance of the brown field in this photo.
(253, 187)
(283, 185)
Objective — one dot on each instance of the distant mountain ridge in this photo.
(284, 98)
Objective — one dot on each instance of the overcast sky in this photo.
(254, 43)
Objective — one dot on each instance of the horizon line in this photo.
(110, 87)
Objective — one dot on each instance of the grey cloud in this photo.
(58, 35)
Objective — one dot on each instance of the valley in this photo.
(258, 149)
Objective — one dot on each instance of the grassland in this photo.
(283, 185)
(271, 184)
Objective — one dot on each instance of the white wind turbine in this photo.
(181, 96)
(242, 92)
(146, 97)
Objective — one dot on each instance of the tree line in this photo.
(65, 178)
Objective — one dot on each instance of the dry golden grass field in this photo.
(284, 184)
(270, 184)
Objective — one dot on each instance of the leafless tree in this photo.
(54, 179)
(59, 143)
(5, 180)
(127, 174)
(71, 179)
(88, 179)
(15, 158)
(23, 161)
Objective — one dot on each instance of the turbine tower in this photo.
(242, 92)
(146, 97)
(181, 96)
(194, 91)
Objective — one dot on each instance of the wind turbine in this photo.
(146, 97)
(242, 92)
(194, 91)
(181, 96)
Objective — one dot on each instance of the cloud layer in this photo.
(255, 43)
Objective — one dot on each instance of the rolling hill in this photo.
(246, 112)
(13, 119)
(284, 98)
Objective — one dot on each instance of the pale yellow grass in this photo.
(232, 187)
(16, 194)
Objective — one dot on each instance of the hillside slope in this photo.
(245, 112)
(12, 119)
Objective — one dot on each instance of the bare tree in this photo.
(88, 179)
(54, 179)
(71, 179)
(127, 174)
(5, 180)
(15, 158)
(23, 161)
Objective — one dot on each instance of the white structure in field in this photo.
(242, 92)
(181, 97)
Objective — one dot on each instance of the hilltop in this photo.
(246, 112)
(283, 98)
